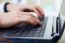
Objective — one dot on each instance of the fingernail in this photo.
(39, 22)
(34, 23)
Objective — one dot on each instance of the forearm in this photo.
(2, 7)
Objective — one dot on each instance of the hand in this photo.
(26, 8)
(13, 18)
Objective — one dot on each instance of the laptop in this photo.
(49, 29)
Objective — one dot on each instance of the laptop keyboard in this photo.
(26, 30)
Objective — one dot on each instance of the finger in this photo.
(36, 20)
(25, 13)
(27, 19)
(31, 21)
(34, 10)
(40, 10)
(30, 14)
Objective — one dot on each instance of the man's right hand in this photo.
(12, 18)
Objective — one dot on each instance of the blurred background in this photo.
(46, 2)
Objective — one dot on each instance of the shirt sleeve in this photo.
(2, 7)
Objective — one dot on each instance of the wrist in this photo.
(12, 7)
